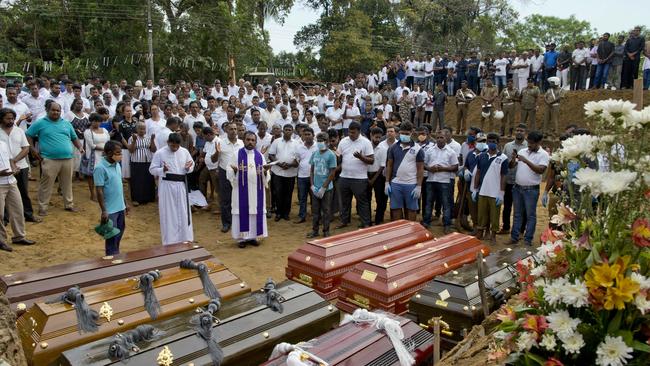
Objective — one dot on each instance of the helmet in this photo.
(498, 114)
(554, 80)
(485, 114)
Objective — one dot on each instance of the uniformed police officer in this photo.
(489, 94)
(529, 97)
(509, 95)
(464, 97)
(552, 100)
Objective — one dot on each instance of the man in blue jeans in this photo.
(531, 164)
(304, 153)
(605, 54)
(441, 161)
(110, 194)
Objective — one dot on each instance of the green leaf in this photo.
(615, 324)
(627, 336)
(640, 346)
(538, 359)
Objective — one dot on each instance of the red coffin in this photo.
(364, 345)
(387, 281)
(321, 263)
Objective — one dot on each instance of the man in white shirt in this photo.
(410, 72)
(303, 153)
(55, 95)
(356, 154)
(579, 66)
(441, 161)
(21, 109)
(500, 74)
(351, 114)
(531, 164)
(376, 177)
(270, 114)
(536, 62)
(522, 65)
(147, 92)
(18, 145)
(335, 115)
(226, 149)
(232, 88)
(428, 65)
(217, 90)
(35, 102)
(283, 153)
(210, 157)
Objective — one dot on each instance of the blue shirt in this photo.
(109, 176)
(483, 162)
(550, 58)
(54, 137)
(322, 163)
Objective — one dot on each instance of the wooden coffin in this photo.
(388, 281)
(455, 295)
(362, 344)
(320, 263)
(46, 330)
(246, 331)
(25, 288)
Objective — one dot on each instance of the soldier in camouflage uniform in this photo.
(405, 104)
(529, 97)
(509, 95)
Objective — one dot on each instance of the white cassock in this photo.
(255, 184)
(175, 214)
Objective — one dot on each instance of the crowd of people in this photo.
(239, 150)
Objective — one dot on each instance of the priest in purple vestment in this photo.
(247, 175)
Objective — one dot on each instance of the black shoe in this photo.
(268, 215)
(277, 218)
(341, 226)
(5, 247)
(300, 221)
(33, 219)
(225, 228)
(254, 243)
(313, 234)
(286, 218)
(242, 244)
(24, 242)
(326, 234)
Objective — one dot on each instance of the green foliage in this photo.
(536, 30)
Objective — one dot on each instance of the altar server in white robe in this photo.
(247, 175)
(171, 164)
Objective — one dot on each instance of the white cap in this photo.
(138, 83)
(554, 80)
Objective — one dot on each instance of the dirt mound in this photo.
(571, 108)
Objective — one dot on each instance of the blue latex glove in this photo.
(416, 192)
(499, 199)
(475, 196)
(545, 199)
(314, 189)
(320, 193)
(387, 189)
(467, 175)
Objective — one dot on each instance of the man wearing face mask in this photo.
(442, 163)
(468, 174)
(531, 164)
(517, 144)
(489, 182)
(107, 177)
(322, 173)
(404, 171)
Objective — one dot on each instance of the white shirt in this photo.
(388, 109)
(216, 93)
(233, 90)
(16, 140)
(352, 167)
(380, 157)
(526, 176)
(210, 148)
(333, 115)
(161, 137)
(19, 107)
(228, 150)
(428, 67)
(270, 117)
(580, 56)
(410, 65)
(5, 155)
(152, 126)
(263, 143)
(406, 171)
(189, 122)
(285, 152)
(523, 72)
(501, 66)
(146, 93)
(444, 157)
(350, 112)
(536, 62)
(35, 105)
(304, 155)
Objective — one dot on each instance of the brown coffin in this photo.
(33, 286)
(321, 263)
(387, 282)
(46, 330)
(357, 345)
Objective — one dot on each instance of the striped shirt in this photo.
(142, 153)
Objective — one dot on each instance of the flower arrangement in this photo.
(585, 297)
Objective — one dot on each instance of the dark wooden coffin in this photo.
(388, 281)
(321, 263)
(455, 295)
(25, 288)
(246, 331)
(46, 330)
(357, 345)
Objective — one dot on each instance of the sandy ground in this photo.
(64, 237)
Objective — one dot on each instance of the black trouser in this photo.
(283, 194)
(630, 72)
(274, 205)
(507, 210)
(380, 197)
(225, 195)
(23, 181)
(321, 209)
(359, 189)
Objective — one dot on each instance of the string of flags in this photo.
(110, 61)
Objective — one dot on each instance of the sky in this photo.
(605, 16)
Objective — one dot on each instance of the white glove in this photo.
(499, 199)
(545, 199)
(416, 192)
(468, 176)
(320, 193)
(387, 189)
(314, 190)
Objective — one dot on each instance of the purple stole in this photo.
(242, 163)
